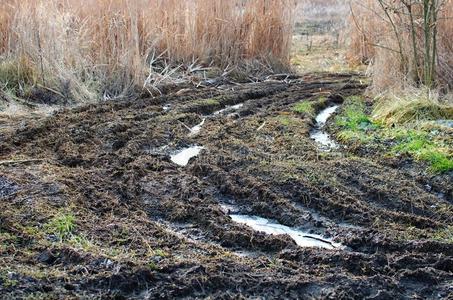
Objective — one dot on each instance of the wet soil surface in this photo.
(149, 228)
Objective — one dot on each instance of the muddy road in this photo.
(151, 221)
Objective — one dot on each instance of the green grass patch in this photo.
(422, 147)
(353, 116)
(211, 102)
(410, 141)
(355, 125)
(354, 136)
(62, 226)
(440, 162)
(285, 120)
(208, 102)
(160, 253)
(444, 235)
(304, 107)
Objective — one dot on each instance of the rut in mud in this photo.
(122, 170)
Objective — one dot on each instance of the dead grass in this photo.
(84, 49)
(412, 107)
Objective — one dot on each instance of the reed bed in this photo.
(83, 49)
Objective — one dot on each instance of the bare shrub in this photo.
(408, 42)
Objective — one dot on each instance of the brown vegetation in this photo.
(407, 41)
(90, 47)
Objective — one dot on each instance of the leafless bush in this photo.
(407, 41)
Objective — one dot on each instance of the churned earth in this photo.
(95, 202)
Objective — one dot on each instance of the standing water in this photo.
(182, 157)
(196, 129)
(229, 108)
(319, 135)
(301, 238)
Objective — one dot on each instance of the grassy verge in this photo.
(421, 139)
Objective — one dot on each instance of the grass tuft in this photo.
(354, 117)
(422, 147)
(304, 107)
(414, 107)
(420, 142)
(62, 226)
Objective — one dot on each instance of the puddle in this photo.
(248, 254)
(325, 114)
(182, 157)
(196, 129)
(228, 109)
(229, 209)
(301, 238)
(319, 135)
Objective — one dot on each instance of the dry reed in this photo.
(84, 48)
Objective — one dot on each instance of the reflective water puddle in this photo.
(228, 109)
(196, 129)
(319, 135)
(182, 157)
(301, 238)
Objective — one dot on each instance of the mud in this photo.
(146, 228)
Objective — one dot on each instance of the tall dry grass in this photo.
(373, 40)
(85, 48)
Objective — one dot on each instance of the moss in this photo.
(6, 280)
(7, 240)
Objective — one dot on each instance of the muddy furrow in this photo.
(158, 226)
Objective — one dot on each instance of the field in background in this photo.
(80, 50)
(320, 38)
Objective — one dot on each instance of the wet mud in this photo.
(150, 226)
